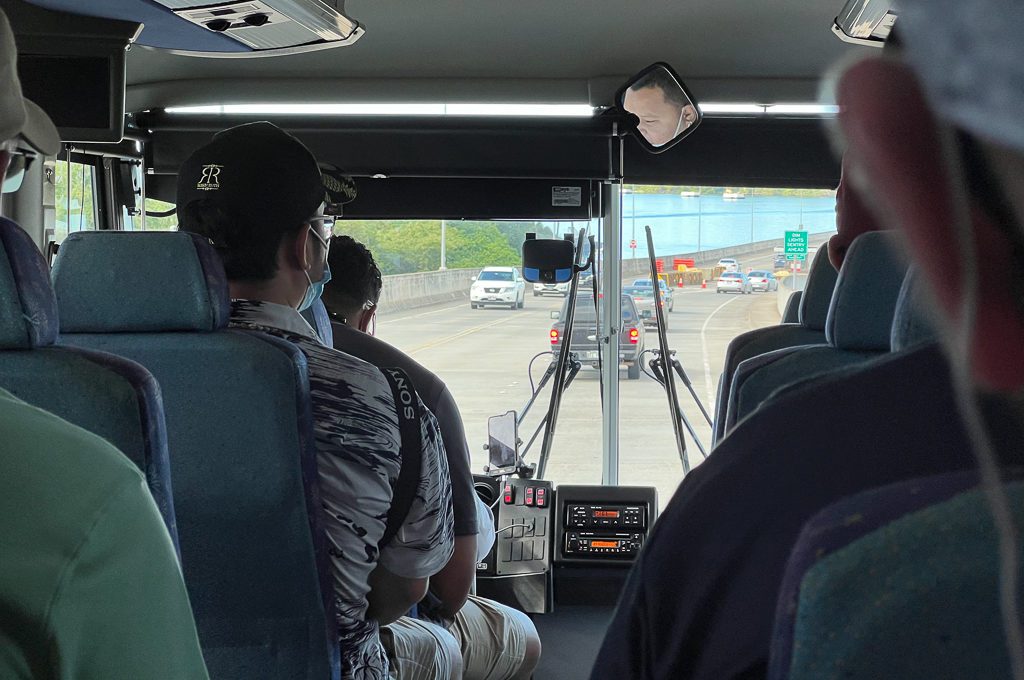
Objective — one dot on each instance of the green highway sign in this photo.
(796, 244)
(802, 256)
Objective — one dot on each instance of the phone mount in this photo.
(502, 447)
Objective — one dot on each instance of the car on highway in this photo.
(733, 282)
(551, 289)
(730, 264)
(584, 343)
(666, 291)
(780, 261)
(499, 286)
(643, 298)
(763, 281)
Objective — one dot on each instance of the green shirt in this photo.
(89, 583)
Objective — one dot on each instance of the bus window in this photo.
(482, 349)
(75, 198)
(157, 217)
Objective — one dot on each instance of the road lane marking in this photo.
(461, 334)
(704, 348)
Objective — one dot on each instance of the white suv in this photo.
(729, 264)
(551, 289)
(498, 286)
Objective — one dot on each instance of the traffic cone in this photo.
(680, 284)
(704, 283)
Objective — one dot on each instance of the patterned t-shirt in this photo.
(358, 460)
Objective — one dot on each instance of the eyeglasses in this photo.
(327, 228)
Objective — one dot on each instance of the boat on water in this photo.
(689, 194)
(732, 196)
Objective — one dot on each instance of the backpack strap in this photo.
(408, 407)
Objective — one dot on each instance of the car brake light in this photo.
(554, 336)
(634, 336)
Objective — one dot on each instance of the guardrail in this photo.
(408, 291)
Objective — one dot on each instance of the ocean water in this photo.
(685, 225)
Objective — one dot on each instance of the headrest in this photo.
(861, 313)
(911, 323)
(821, 281)
(116, 282)
(28, 309)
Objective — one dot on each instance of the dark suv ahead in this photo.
(584, 334)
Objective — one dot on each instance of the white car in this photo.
(551, 289)
(502, 286)
(733, 282)
(729, 264)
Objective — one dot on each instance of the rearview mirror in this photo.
(664, 110)
(548, 260)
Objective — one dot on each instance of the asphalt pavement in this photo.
(483, 356)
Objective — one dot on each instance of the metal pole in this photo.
(753, 197)
(612, 283)
(444, 230)
(700, 198)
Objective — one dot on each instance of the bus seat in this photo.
(105, 394)
(858, 328)
(317, 317)
(791, 314)
(809, 330)
(240, 433)
(922, 551)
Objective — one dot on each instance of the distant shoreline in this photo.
(718, 191)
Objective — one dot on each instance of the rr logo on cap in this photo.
(211, 178)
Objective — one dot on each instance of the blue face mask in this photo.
(315, 288)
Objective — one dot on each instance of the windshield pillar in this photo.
(611, 314)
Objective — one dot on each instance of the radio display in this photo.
(607, 513)
(604, 544)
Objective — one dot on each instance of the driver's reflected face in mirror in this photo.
(661, 105)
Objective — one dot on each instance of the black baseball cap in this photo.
(257, 173)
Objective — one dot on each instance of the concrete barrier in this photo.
(407, 291)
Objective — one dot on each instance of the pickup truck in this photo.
(584, 334)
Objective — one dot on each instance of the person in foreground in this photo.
(946, 166)
(496, 642)
(257, 193)
(89, 580)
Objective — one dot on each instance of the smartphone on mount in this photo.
(503, 444)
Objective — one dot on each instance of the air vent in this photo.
(271, 25)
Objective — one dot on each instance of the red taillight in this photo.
(634, 335)
(554, 336)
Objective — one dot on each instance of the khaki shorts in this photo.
(420, 650)
(490, 637)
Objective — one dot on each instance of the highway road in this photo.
(483, 356)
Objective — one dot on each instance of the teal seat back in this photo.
(105, 394)
(241, 446)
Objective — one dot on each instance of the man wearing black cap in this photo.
(89, 580)
(257, 193)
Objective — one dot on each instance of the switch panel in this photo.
(524, 525)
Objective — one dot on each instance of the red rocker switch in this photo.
(542, 497)
(528, 499)
(509, 493)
